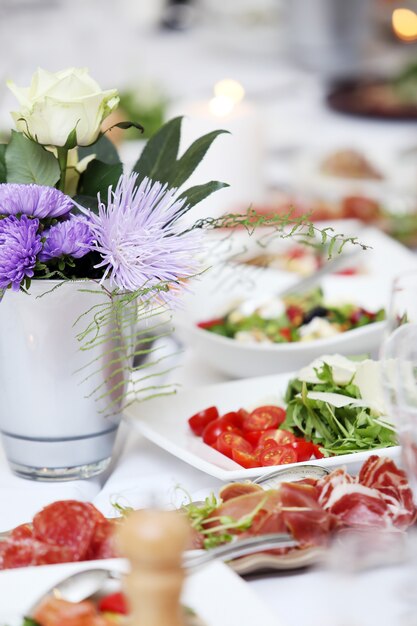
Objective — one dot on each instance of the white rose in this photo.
(55, 104)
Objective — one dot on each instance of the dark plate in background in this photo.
(374, 98)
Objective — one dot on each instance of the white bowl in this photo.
(217, 293)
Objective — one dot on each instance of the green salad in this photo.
(338, 404)
(294, 318)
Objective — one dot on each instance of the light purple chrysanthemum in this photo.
(20, 244)
(72, 237)
(131, 233)
(33, 200)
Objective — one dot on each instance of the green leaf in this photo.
(196, 194)
(98, 177)
(126, 126)
(3, 169)
(28, 621)
(88, 202)
(104, 150)
(29, 162)
(185, 166)
(71, 141)
(160, 153)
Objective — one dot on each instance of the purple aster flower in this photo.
(72, 237)
(132, 236)
(20, 244)
(33, 200)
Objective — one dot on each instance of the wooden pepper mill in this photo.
(154, 542)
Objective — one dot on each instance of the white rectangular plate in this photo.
(165, 422)
(218, 595)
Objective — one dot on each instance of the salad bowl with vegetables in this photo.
(242, 327)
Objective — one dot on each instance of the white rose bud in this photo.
(56, 103)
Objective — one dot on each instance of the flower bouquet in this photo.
(87, 251)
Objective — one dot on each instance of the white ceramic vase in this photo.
(60, 405)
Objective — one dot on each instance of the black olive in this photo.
(317, 311)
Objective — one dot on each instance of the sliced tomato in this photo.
(234, 418)
(279, 455)
(264, 417)
(199, 421)
(279, 435)
(243, 413)
(294, 314)
(253, 436)
(210, 323)
(214, 429)
(229, 441)
(113, 603)
(246, 459)
(304, 449)
(285, 333)
(317, 453)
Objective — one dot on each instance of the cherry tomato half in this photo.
(245, 459)
(229, 441)
(253, 436)
(264, 417)
(234, 418)
(280, 436)
(214, 429)
(113, 603)
(210, 323)
(199, 421)
(304, 449)
(281, 455)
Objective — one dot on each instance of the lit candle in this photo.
(236, 158)
(404, 24)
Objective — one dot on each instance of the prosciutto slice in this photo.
(302, 514)
(391, 483)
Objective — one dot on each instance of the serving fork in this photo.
(86, 583)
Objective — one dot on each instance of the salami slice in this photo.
(18, 553)
(25, 552)
(24, 531)
(66, 523)
(102, 543)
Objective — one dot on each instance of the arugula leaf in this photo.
(335, 430)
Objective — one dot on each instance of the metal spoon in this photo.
(291, 474)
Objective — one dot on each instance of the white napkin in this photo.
(147, 476)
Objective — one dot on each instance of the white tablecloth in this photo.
(141, 473)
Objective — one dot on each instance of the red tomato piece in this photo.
(210, 323)
(114, 603)
(253, 436)
(295, 314)
(243, 413)
(264, 417)
(234, 418)
(229, 441)
(214, 429)
(199, 421)
(245, 459)
(317, 453)
(280, 455)
(280, 436)
(304, 449)
(285, 333)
